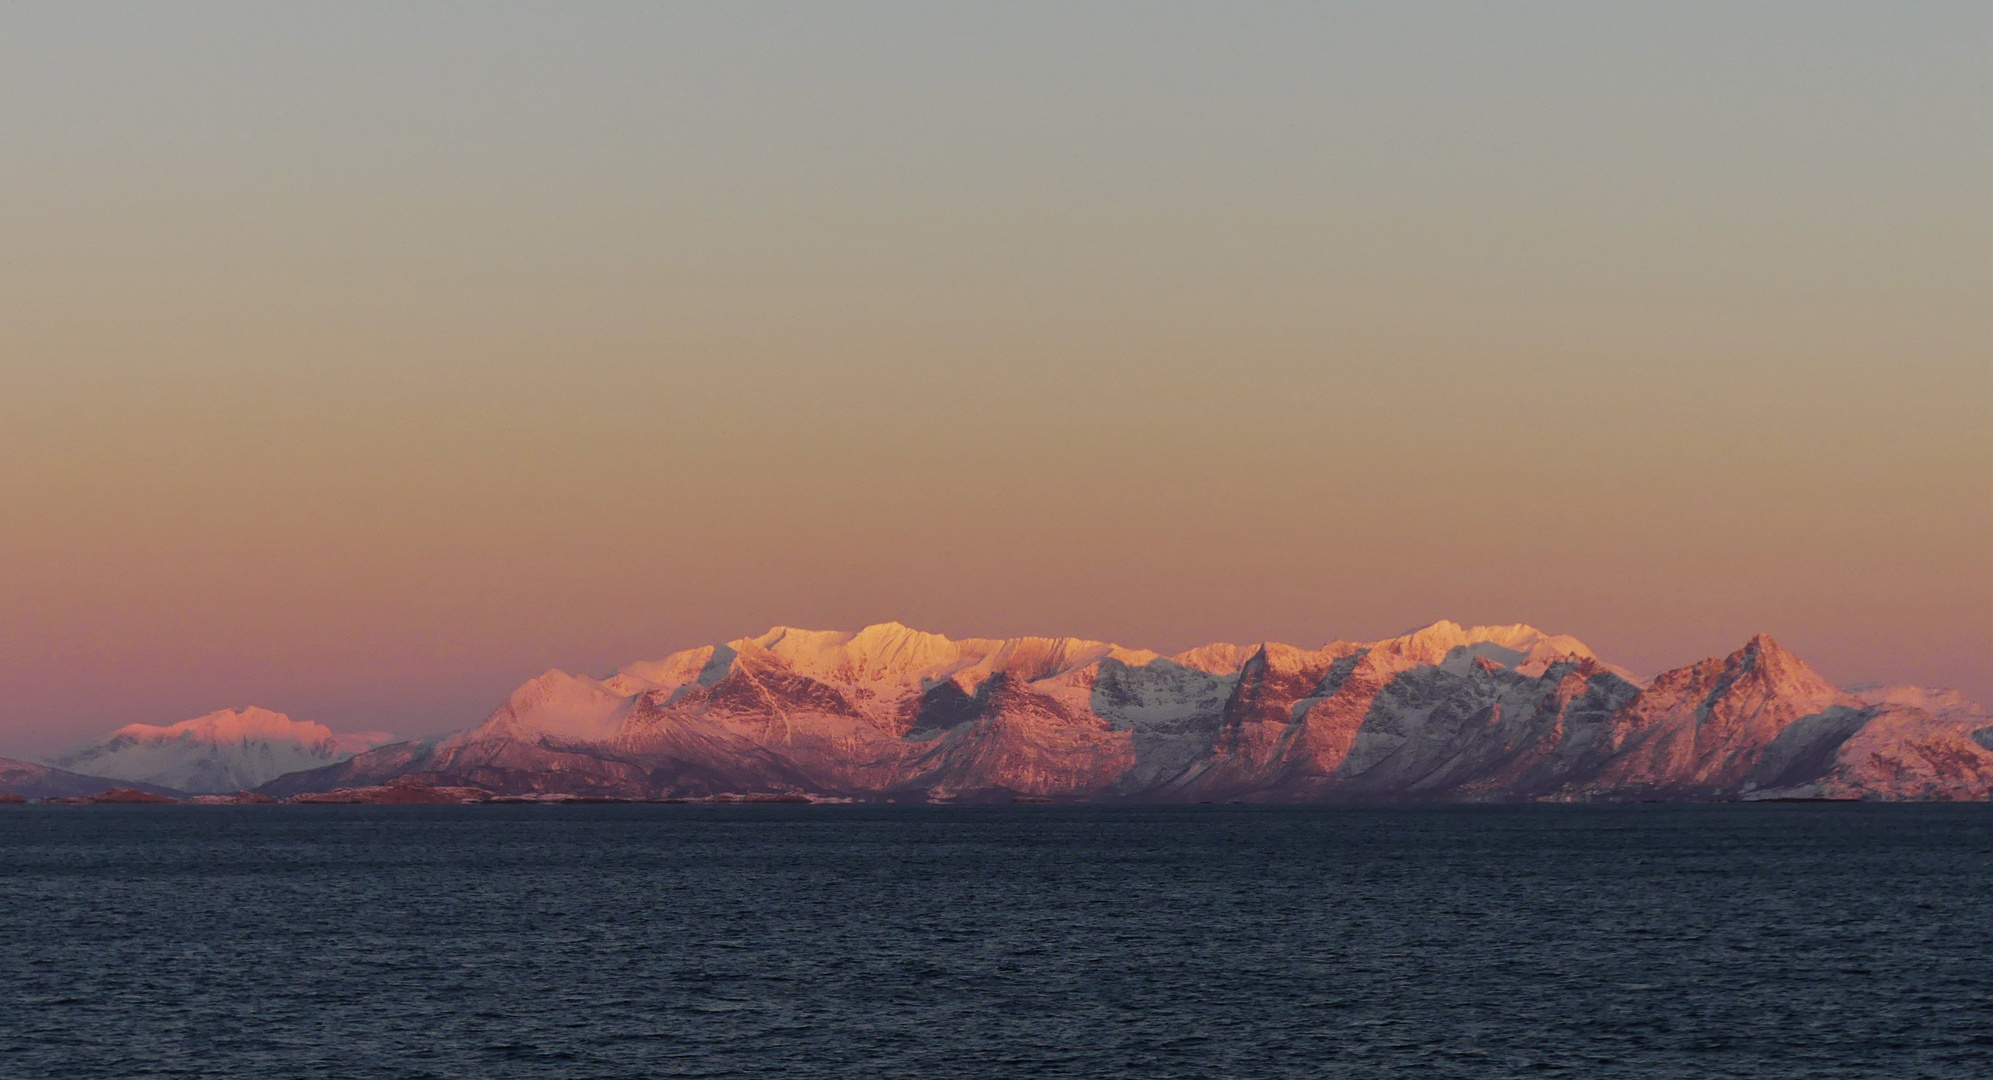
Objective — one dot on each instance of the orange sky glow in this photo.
(363, 367)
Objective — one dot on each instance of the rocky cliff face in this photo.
(1442, 714)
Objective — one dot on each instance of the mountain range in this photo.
(1441, 714)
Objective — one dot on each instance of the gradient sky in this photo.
(361, 361)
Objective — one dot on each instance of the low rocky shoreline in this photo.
(392, 793)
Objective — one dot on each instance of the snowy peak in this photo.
(879, 653)
(575, 708)
(225, 725)
(1426, 645)
(228, 727)
(1038, 659)
(1764, 667)
(223, 751)
(1217, 658)
(563, 705)
(1517, 645)
(678, 669)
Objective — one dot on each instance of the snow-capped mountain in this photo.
(1442, 713)
(221, 752)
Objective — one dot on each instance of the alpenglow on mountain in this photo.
(222, 751)
(1505, 713)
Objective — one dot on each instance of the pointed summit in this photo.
(1765, 660)
(1761, 644)
(1700, 729)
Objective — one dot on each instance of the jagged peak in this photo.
(1764, 660)
(1759, 670)
(1763, 652)
(1761, 642)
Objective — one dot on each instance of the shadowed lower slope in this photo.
(31, 781)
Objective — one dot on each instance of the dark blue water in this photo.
(813, 941)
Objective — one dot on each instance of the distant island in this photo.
(891, 714)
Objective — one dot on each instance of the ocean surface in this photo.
(1791, 940)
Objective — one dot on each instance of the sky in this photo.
(362, 360)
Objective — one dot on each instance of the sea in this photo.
(1741, 940)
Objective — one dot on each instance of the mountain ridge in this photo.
(33, 780)
(1440, 713)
